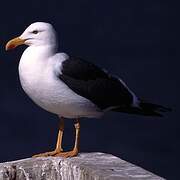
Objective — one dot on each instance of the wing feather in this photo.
(93, 83)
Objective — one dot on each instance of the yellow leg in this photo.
(60, 135)
(75, 150)
(58, 148)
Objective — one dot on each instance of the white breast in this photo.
(38, 79)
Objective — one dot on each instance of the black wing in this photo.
(91, 82)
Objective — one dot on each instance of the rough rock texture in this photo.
(87, 166)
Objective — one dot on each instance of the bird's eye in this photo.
(35, 32)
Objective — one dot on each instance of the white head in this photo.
(37, 34)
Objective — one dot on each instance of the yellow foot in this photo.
(46, 154)
(67, 154)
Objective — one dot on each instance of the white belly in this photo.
(40, 83)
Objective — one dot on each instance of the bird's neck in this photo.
(36, 56)
(43, 51)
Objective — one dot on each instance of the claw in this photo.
(72, 153)
(47, 154)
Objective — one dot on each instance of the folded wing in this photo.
(91, 82)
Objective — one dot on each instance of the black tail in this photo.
(153, 109)
(146, 109)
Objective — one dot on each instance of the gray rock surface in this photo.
(87, 166)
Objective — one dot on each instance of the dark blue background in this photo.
(135, 40)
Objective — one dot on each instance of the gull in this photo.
(71, 87)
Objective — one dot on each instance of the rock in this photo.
(87, 166)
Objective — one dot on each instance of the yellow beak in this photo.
(13, 43)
